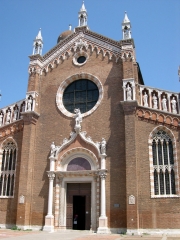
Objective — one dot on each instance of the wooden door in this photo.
(69, 212)
(78, 189)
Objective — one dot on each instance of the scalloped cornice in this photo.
(159, 117)
(94, 41)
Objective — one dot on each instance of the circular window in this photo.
(82, 94)
(81, 59)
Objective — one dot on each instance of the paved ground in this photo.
(76, 235)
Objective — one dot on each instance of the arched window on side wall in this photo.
(8, 169)
(163, 164)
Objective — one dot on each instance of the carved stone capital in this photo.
(103, 173)
(103, 156)
(51, 175)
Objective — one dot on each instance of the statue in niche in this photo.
(53, 149)
(23, 107)
(29, 103)
(129, 93)
(15, 114)
(173, 103)
(78, 118)
(103, 146)
(154, 99)
(8, 116)
(1, 119)
(145, 99)
(164, 106)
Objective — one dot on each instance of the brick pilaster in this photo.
(27, 169)
(131, 164)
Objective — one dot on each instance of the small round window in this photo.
(82, 94)
(81, 59)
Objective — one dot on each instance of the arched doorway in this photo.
(78, 215)
(77, 190)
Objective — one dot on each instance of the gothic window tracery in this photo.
(7, 169)
(163, 164)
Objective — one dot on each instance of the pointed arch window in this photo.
(8, 169)
(163, 165)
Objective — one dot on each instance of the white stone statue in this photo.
(78, 118)
(8, 117)
(23, 108)
(129, 92)
(164, 106)
(53, 149)
(29, 104)
(103, 146)
(15, 114)
(1, 119)
(173, 103)
(145, 99)
(154, 100)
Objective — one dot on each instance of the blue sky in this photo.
(155, 29)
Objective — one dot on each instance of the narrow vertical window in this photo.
(161, 176)
(159, 152)
(167, 182)
(154, 152)
(165, 152)
(156, 191)
(171, 157)
(8, 167)
(173, 182)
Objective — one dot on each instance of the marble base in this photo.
(49, 224)
(103, 225)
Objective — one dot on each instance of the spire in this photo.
(126, 19)
(39, 36)
(82, 16)
(38, 44)
(83, 7)
(126, 27)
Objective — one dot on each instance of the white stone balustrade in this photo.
(159, 99)
(13, 112)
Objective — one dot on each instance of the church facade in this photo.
(91, 147)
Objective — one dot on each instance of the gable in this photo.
(79, 40)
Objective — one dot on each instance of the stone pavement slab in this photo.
(76, 235)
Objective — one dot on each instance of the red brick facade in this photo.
(125, 125)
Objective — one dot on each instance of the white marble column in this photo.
(49, 219)
(159, 100)
(169, 103)
(103, 226)
(51, 176)
(150, 98)
(124, 92)
(134, 92)
(103, 194)
(141, 96)
(33, 103)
